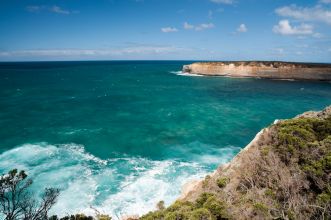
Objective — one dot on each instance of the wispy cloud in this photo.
(242, 28)
(318, 35)
(169, 29)
(325, 1)
(285, 28)
(199, 27)
(227, 2)
(210, 14)
(278, 50)
(317, 13)
(92, 52)
(57, 9)
(53, 9)
(202, 27)
(188, 26)
(34, 8)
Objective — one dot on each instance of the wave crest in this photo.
(181, 73)
(118, 186)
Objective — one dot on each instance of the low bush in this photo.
(206, 207)
(221, 182)
(261, 208)
(201, 214)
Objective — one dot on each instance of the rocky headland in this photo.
(262, 69)
(284, 173)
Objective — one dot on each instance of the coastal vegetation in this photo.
(207, 206)
(284, 173)
(81, 217)
(17, 202)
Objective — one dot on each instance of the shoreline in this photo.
(262, 69)
(266, 176)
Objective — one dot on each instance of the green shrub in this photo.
(153, 215)
(307, 142)
(221, 182)
(200, 214)
(324, 198)
(74, 217)
(265, 150)
(295, 133)
(180, 205)
(216, 207)
(302, 132)
(322, 128)
(178, 215)
(103, 217)
(81, 217)
(290, 215)
(261, 208)
(202, 199)
(270, 193)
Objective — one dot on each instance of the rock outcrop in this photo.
(284, 173)
(262, 69)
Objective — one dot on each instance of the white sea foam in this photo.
(180, 73)
(212, 156)
(291, 80)
(176, 72)
(118, 186)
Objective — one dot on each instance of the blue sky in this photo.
(165, 30)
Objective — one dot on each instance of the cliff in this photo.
(262, 69)
(284, 173)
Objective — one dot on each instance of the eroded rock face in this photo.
(260, 178)
(262, 69)
(187, 68)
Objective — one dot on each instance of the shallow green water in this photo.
(121, 136)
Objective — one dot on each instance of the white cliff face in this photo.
(273, 70)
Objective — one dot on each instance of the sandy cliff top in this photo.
(275, 64)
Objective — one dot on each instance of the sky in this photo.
(284, 30)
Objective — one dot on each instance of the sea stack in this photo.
(262, 69)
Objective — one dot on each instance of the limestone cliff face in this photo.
(262, 69)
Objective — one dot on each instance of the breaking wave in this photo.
(117, 186)
(180, 73)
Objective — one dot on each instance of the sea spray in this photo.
(117, 185)
(181, 73)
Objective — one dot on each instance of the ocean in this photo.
(119, 136)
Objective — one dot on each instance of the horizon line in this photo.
(140, 60)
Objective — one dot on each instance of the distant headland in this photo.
(262, 69)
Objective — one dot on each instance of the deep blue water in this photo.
(120, 136)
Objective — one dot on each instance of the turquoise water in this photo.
(120, 136)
